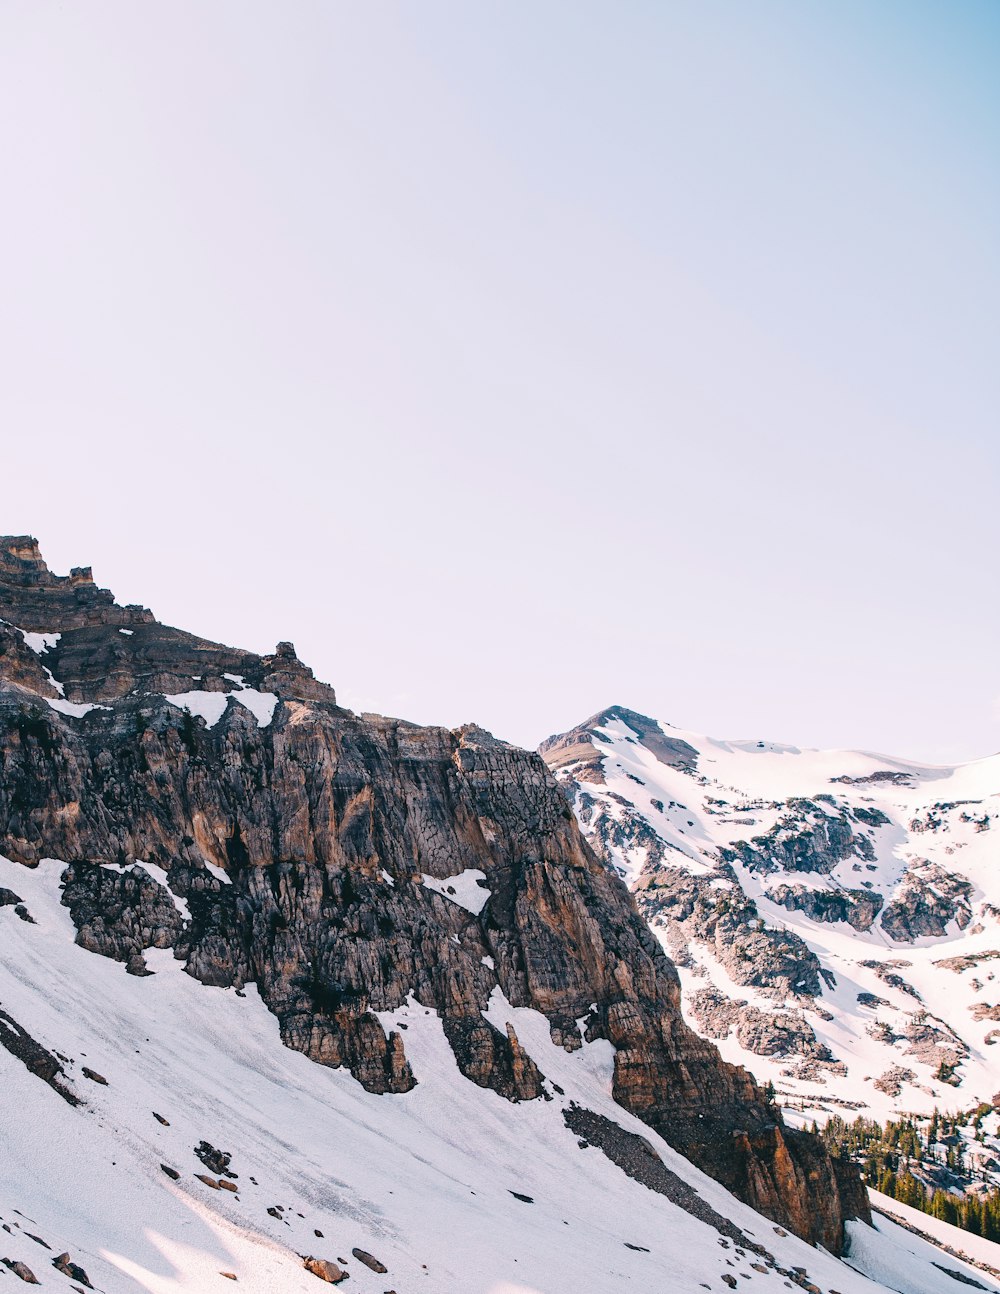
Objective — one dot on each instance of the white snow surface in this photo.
(211, 706)
(963, 1242)
(462, 888)
(39, 643)
(907, 1263)
(260, 704)
(75, 709)
(943, 815)
(424, 1180)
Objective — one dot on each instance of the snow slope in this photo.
(425, 1181)
(983, 1252)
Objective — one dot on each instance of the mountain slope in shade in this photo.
(834, 914)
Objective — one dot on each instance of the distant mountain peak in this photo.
(566, 748)
(777, 877)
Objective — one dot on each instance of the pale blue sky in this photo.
(516, 359)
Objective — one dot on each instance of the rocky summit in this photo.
(418, 913)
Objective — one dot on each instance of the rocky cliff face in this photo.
(221, 804)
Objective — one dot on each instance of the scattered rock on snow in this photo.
(363, 1256)
(22, 1270)
(71, 1269)
(216, 1161)
(33, 1056)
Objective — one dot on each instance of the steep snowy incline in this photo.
(449, 1187)
(834, 914)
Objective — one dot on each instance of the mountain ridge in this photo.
(799, 846)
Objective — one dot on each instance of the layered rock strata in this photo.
(327, 858)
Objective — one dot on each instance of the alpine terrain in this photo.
(290, 995)
(834, 916)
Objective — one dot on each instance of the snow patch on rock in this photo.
(462, 888)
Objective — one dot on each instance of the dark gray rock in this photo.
(119, 914)
(858, 908)
(928, 899)
(756, 956)
(808, 839)
(33, 1056)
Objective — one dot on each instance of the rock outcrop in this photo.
(306, 849)
(810, 838)
(926, 902)
(858, 908)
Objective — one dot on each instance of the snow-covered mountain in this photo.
(291, 995)
(834, 915)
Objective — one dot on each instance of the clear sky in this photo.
(516, 359)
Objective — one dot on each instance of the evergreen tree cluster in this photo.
(902, 1158)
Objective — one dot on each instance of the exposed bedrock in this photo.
(858, 908)
(926, 902)
(808, 839)
(299, 849)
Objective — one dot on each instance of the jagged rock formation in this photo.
(68, 629)
(273, 837)
(776, 878)
(858, 908)
(808, 838)
(928, 899)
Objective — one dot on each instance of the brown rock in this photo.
(325, 1270)
(71, 1269)
(22, 1270)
